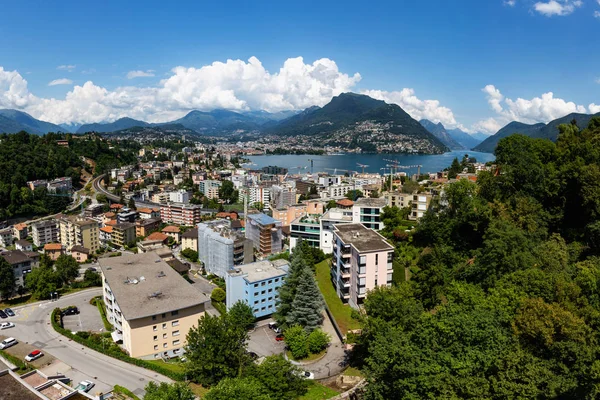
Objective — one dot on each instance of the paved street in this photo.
(33, 326)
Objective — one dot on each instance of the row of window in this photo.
(165, 345)
(269, 282)
(164, 315)
(174, 333)
(263, 308)
(263, 300)
(164, 325)
(262, 292)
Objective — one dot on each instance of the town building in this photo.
(44, 232)
(36, 184)
(220, 248)
(287, 214)
(172, 232)
(265, 233)
(21, 264)
(306, 228)
(181, 214)
(180, 196)
(419, 205)
(368, 212)
(362, 260)
(143, 227)
(257, 285)
(6, 237)
(20, 231)
(105, 234)
(151, 307)
(80, 254)
(63, 184)
(123, 234)
(77, 231)
(332, 217)
(274, 170)
(189, 240)
(126, 215)
(23, 245)
(148, 213)
(93, 210)
(399, 199)
(210, 188)
(54, 250)
(282, 196)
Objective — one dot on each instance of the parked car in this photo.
(8, 342)
(70, 311)
(253, 355)
(280, 338)
(306, 374)
(6, 325)
(9, 312)
(85, 386)
(34, 355)
(3, 314)
(273, 326)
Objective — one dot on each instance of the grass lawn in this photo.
(172, 366)
(198, 390)
(316, 391)
(341, 312)
(351, 371)
(311, 356)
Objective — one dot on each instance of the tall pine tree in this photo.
(287, 291)
(307, 307)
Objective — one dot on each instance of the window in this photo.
(154, 328)
(256, 310)
(276, 279)
(164, 335)
(174, 313)
(262, 283)
(270, 298)
(263, 300)
(256, 285)
(155, 347)
(155, 338)
(255, 301)
(175, 333)
(164, 315)
(263, 308)
(270, 290)
(165, 345)
(270, 281)
(164, 326)
(154, 318)
(263, 292)
(176, 342)
(376, 259)
(175, 323)
(255, 293)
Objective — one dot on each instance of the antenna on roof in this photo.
(161, 274)
(155, 295)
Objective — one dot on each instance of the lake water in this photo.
(375, 162)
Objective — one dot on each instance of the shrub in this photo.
(190, 255)
(296, 339)
(218, 295)
(317, 341)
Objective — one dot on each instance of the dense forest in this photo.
(25, 157)
(504, 297)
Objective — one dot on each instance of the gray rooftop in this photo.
(368, 202)
(261, 270)
(159, 289)
(362, 238)
(337, 214)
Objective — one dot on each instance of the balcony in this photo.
(345, 272)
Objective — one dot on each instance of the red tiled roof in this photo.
(170, 229)
(157, 236)
(52, 246)
(345, 202)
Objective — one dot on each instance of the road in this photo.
(100, 189)
(33, 326)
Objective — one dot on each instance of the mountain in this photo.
(480, 136)
(468, 141)
(13, 121)
(440, 132)
(120, 124)
(541, 130)
(143, 133)
(218, 122)
(357, 121)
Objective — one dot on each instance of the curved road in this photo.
(100, 189)
(33, 326)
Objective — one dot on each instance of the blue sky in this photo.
(434, 58)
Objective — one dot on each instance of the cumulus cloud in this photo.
(510, 3)
(594, 109)
(66, 67)
(140, 74)
(234, 85)
(544, 108)
(61, 81)
(557, 7)
(417, 108)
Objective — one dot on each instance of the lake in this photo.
(375, 162)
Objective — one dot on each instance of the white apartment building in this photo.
(332, 217)
(368, 211)
(180, 196)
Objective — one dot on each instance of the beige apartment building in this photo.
(151, 307)
(77, 231)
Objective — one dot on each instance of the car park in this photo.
(85, 386)
(3, 314)
(9, 312)
(70, 311)
(273, 326)
(279, 338)
(34, 355)
(8, 342)
(6, 325)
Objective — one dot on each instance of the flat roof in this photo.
(262, 219)
(261, 270)
(11, 388)
(362, 238)
(369, 202)
(159, 289)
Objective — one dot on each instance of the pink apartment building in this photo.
(362, 260)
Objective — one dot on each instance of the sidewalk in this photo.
(329, 366)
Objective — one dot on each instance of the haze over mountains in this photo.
(455, 139)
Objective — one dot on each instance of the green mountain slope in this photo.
(13, 121)
(120, 124)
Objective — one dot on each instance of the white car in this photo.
(6, 325)
(306, 374)
(34, 355)
(85, 386)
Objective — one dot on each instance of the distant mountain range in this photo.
(455, 139)
(543, 131)
(12, 121)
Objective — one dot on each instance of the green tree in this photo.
(190, 254)
(455, 169)
(241, 314)
(168, 391)
(317, 341)
(7, 279)
(218, 295)
(307, 307)
(354, 194)
(131, 204)
(92, 278)
(280, 378)
(42, 281)
(238, 389)
(296, 340)
(66, 268)
(227, 192)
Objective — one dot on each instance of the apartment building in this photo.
(44, 232)
(6, 237)
(399, 199)
(220, 248)
(328, 221)
(210, 188)
(20, 231)
(265, 233)
(257, 285)
(336, 191)
(93, 211)
(181, 214)
(368, 212)
(151, 307)
(105, 234)
(148, 213)
(189, 240)
(287, 214)
(161, 198)
(123, 234)
(306, 228)
(362, 260)
(173, 232)
(21, 264)
(419, 205)
(77, 231)
(282, 196)
(63, 184)
(54, 250)
(127, 215)
(180, 196)
(143, 227)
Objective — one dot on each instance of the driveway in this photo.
(262, 342)
(88, 319)
(21, 349)
(33, 326)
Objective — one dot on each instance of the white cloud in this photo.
(539, 109)
(417, 108)
(557, 7)
(140, 74)
(88, 71)
(61, 81)
(66, 67)
(597, 14)
(510, 3)
(594, 108)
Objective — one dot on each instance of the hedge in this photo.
(100, 304)
(119, 355)
(22, 367)
(125, 391)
